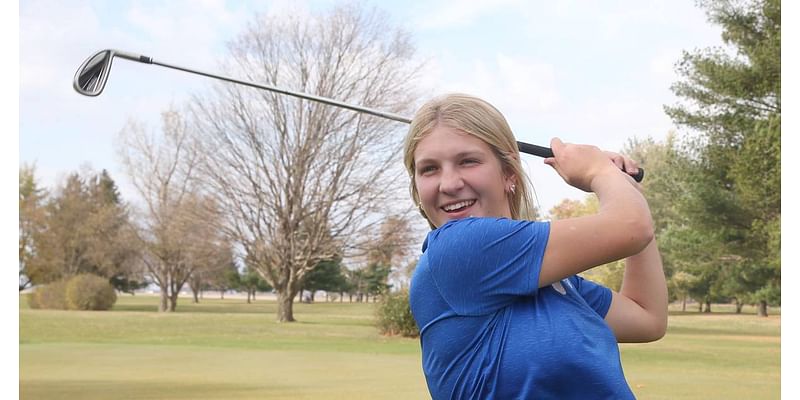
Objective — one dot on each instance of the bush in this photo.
(52, 296)
(80, 292)
(394, 315)
(90, 292)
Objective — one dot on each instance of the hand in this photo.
(627, 165)
(579, 164)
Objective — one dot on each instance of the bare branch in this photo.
(298, 180)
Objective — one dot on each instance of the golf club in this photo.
(92, 75)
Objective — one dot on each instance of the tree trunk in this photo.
(762, 309)
(248, 296)
(222, 294)
(683, 306)
(173, 301)
(285, 304)
(163, 305)
(195, 299)
(699, 306)
(739, 306)
(708, 306)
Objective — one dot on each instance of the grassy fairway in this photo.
(232, 350)
(214, 350)
(708, 356)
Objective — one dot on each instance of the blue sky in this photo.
(589, 72)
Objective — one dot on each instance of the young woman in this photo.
(501, 311)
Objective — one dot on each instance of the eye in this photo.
(426, 169)
(470, 161)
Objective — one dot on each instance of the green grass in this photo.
(227, 349)
(716, 356)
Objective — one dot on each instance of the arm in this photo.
(638, 312)
(621, 228)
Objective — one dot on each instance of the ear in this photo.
(510, 176)
(510, 179)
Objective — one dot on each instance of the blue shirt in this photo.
(488, 332)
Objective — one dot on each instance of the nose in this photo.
(451, 181)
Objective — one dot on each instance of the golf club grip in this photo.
(546, 152)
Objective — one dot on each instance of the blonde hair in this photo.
(480, 119)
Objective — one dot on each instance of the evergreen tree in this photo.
(733, 102)
(85, 229)
(327, 275)
(251, 281)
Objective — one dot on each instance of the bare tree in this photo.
(298, 178)
(212, 256)
(392, 247)
(392, 242)
(383, 260)
(176, 222)
(31, 220)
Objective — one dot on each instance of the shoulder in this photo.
(481, 229)
(468, 237)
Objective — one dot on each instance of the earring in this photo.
(513, 188)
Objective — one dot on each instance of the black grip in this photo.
(639, 175)
(546, 152)
(535, 150)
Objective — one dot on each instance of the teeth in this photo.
(456, 206)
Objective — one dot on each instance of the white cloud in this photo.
(528, 82)
(186, 31)
(607, 122)
(615, 23)
(520, 87)
(607, 23)
(51, 34)
(662, 65)
(451, 14)
(433, 74)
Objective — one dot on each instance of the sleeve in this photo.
(598, 297)
(480, 265)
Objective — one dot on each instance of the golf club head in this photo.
(92, 75)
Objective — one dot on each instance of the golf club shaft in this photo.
(301, 95)
(527, 148)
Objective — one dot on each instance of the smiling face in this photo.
(458, 175)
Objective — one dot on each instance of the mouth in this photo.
(457, 207)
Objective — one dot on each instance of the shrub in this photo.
(52, 295)
(90, 292)
(394, 315)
